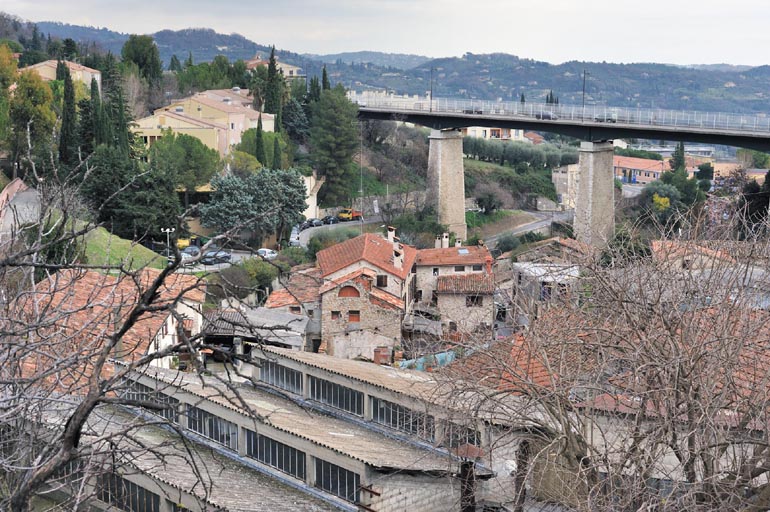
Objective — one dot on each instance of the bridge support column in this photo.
(446, 182)
(595, 202)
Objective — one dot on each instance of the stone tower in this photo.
(446, 182)
(595, 201)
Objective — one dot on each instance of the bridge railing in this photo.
(590, 114)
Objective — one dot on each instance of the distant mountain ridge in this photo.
(710, 87)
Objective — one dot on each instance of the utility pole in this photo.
(584, 94)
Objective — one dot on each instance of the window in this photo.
(336, 395)
(546, 290)
(459, 268)
(141, 393)
(125, 495)
(213, 427)
(458, 435)
(435, 271)
(686, 264)
(401, 418)
(310, 313)
(382, 281)
(354, 316)
(280, 376)
(337, 481)
(349, 291)
(232, 126)
(472, 301)
(336, 315)
(477, 268)
(418, 296)
(275, 454)
(295, 310)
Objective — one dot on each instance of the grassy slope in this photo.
(104, 248)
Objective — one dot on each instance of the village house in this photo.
(466, 303)
(638, 170)
(78, 72)
(289, 71)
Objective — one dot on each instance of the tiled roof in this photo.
(73, 66)
(205, 123)
(330, 285)
(374, 292)
(641, 164)
(302, 288)
(79, 310)
(534, 138)
(368, 247)
(466, 283)
(471, 255)
(666, 250)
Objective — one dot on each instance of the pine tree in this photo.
(174, 64)
(325, 83)
(315, 89)
(68, 132)
(260, 151)
(189, 62)
(276, 153)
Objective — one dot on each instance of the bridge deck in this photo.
(590, 122)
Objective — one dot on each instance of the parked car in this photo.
(545, 114)
(350, 214)
(315, 222)
(215, 255)
(189, 253)
(266, 253)
(294, 237)
(330, 219)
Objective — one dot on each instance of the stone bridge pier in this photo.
(446, 182)
(595, 201)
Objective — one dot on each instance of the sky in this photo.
(555, 31)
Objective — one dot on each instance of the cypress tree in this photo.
(68, 133)
(189, 62)
(174, 65)
(274, 89)
(61, 70)
(315, 89)
(325, 84)
(260, 152)
(278, 125)
(276, 153)
(85, 128)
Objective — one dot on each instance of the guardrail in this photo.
(710, 122)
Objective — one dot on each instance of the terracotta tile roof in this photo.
(471, 255)
(79, 310)
(666, 250)
(375, 294)
(334, 283)
(641, 164)
(368, 247)
(534, 138)
(466, 283)
(73, 66)
(303, 287)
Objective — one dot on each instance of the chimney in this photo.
(398, 258)
(445, 241)
(488, 264)
(481, 243)
(391, 233)
(458, 242)
(437, 244)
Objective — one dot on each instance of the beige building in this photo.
(485, 132)
(79, 73)
(466, 302)
(218, 118)
(565, 179)
(289, 71)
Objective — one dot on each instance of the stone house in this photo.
(466, 302)
(447, 261)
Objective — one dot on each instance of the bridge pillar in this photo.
(595, 202)
(446, 183)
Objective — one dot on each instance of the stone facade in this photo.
(353, 326)
(595, 205)
(466, 313)
(446, 183)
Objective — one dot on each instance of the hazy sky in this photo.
(670, 31)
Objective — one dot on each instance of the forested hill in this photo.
(489, 76)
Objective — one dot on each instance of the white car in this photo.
(267, 254)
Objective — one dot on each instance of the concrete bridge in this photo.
(594, 215)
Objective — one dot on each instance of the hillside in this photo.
(712, 87)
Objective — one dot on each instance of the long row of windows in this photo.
(281, 377)
(338, 396)
(141, 393)
(125, 495)
(213, 427)
(402, 418)
(275, 454)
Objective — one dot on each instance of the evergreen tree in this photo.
(276, 154)
(325, 83)
(61, 70)
(260, 151)
(189, 62)
(68, 133)
(678, 160)
(85, 128)
(295, 121)
(278, 124)
(334, 142)
(99, 120)
(174, 64)
(142, 51)
(274, 88)
(522, 99)
(315, 89)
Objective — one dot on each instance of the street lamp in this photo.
(584, 93)
(168, 232)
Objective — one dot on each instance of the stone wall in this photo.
(399, 492)
(453, 307)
